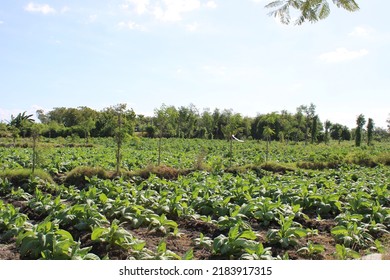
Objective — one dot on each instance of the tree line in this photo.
(190, 122)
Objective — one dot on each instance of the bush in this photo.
(277, 167)
(383, 159)
(317, 165)
(19, 177)
(161, 171)
(77, 176)
(361, 158)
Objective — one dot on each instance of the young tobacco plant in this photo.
(288, 233)
(11, 221)
(236, 243)
(353, 235)
(160, 223)
(46, 241)
(345, 253)
(311, 249)
(115, 235)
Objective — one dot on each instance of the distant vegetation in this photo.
(190, 122)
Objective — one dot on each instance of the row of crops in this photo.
(340, 213)
(183, 153)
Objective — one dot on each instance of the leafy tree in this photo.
(328, 125)
(165, 118)
(36, 130)
(268, 132)
(308, 10)
(205, 125)
(42, 117)
(187, 120)
(309, 112)
(124, 127)
(370, 131)
(360, 121)
(230, 127)
(314, 129)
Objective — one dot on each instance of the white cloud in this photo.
(130, 25)
(211, 4)
(140, 6)
(166, 10)
(361, 32)
(257, 1)
(213, 70)
(1, 22)
(172, 10)
(92, 18)
(342, 54)
(65, 9)
(192, 27)
(39, 8)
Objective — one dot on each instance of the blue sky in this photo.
(227, 54)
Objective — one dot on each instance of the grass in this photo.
(19, 177)
(77, 176)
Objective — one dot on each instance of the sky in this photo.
(226, 54)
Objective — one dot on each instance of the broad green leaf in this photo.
(339, 230)
(248, 234)
(97, 233)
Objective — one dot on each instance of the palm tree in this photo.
(21, 119)
(310, 10)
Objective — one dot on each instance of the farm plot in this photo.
(341, 213)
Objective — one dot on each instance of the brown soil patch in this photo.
(9, 252)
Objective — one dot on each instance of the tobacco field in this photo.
(208, 199)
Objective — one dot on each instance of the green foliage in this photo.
(46, 241)
(80, 176)
(345, 253)
(21, 177)
(235, 243)
(115, 235)
(288, 233)
(11, 221)
(309, 10)
(311, 249)
(360, 121)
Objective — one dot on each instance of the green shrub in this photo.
(277, 167)
(317, 165)
(383, 159)
(77, 176)
(19, 177)
(161, 171)
(362, 158)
